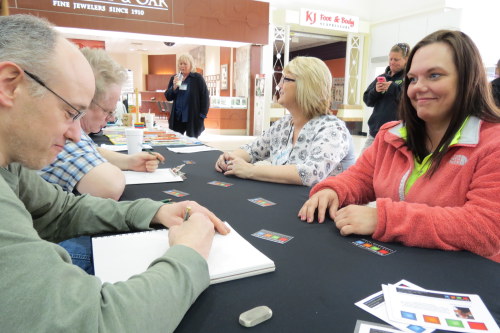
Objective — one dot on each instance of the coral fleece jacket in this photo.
(458, 208)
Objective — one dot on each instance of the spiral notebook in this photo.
(118, 257)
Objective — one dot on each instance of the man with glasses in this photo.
(45, 84)
(84, 167)
(383, 93)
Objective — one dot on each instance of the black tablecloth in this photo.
(319, 274)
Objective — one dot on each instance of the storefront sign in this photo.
(327, 20)
(248, 20)
(147, 10)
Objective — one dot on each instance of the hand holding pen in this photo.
(177, 213)
(186, 215)
(157, 156)
(144, 161)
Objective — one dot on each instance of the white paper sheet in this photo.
(159, 176)
(375, 304)
(190, 149)
(122, 147)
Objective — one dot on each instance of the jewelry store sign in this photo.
(327, 20)
(148, 10)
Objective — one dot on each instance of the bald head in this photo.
(36, 109)
(71, 73)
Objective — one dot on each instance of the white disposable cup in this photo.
(134, 140)
(179, 77)
(150, 120)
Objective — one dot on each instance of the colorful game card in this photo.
(262, 202)
(373, 247)
(189, 162)
(176, 193)
(221, 184)
(272, 236)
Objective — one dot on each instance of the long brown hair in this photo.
(474, 96)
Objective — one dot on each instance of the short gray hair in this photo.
(106, 71)
(29, 42)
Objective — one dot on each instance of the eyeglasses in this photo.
(109, 114)
(286, 79)
(79, 114)
(404, 47)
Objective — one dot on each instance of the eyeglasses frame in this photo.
(79, 113)
(109, 115)
(286, 79)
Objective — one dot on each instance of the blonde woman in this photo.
(303, 147)
(189, 92)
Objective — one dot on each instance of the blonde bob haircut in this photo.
(314, 85)
(187, 58)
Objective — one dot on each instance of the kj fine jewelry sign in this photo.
(327, 20)
(146, 10)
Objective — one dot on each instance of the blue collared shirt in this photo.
(182, 101)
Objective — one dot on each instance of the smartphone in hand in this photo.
(380, 79)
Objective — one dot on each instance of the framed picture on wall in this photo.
(223, 77)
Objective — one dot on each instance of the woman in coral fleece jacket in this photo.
(434, 175)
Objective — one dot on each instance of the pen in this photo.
(186, 216)
(151, 153)
(166, 200)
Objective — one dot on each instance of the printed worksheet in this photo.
(438, 310)
(375, 304)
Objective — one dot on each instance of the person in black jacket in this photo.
(383, 93)
(189, 92)
(495, 85)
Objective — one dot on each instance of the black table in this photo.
(319, 274)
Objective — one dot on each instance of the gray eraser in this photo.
(255, 316)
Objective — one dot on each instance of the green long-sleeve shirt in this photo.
(41, 291)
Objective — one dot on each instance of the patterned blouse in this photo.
(324, 147)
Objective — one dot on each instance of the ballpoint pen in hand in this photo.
(158, 158)
(186, 215)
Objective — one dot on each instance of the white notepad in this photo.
(118, 257)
